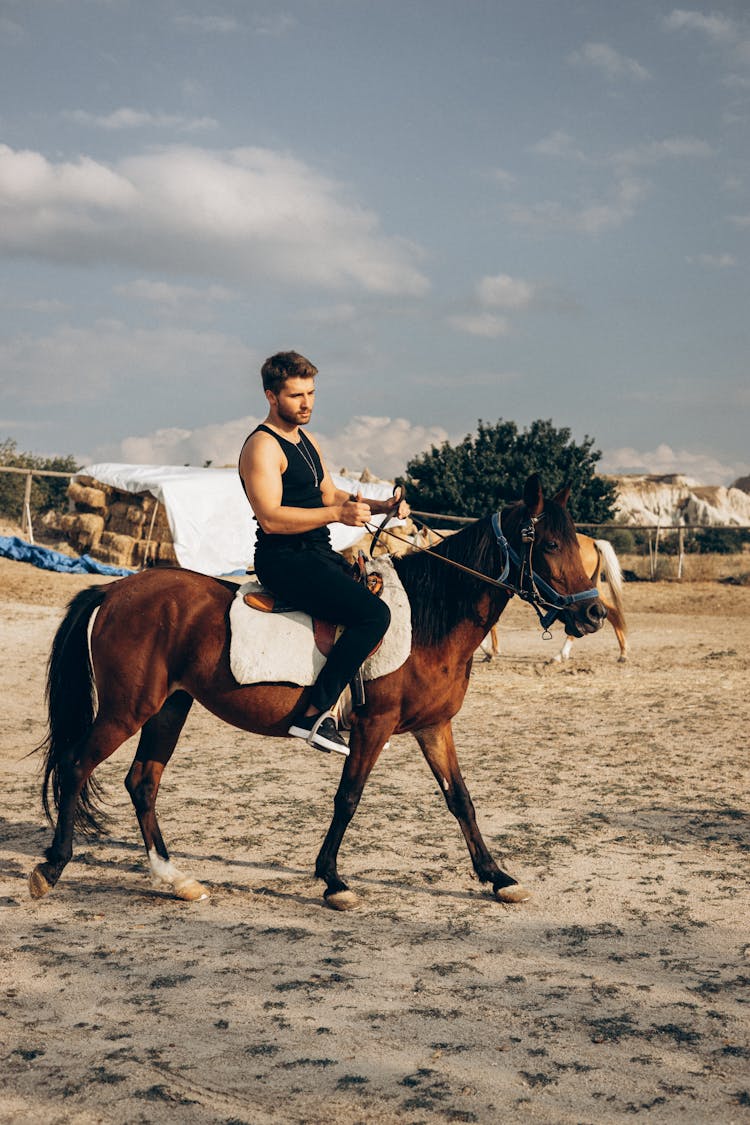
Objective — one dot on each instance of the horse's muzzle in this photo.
(586, 618)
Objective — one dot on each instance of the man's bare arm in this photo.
(261, 467)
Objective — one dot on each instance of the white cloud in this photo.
(74, 365)
(210, 25)
(384, 445)
(219, 444)
(250, 213)
(276, 23)
(341, 313)
(670, 148)
(501, 291)
(559, 144)
(591, 219)
(702, 467)
(271, 24)
(174, 296)
(714, 261)
(481, 324)
(128, 118)
(10, 31)
(611, 63)
(502, 177)
(719, 28)
(492, 293)
(741, 221)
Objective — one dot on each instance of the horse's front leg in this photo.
(439, 749)
(367, 740)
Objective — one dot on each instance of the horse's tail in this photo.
(613, 573)
(70, 694)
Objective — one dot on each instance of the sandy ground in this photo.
(617, 793)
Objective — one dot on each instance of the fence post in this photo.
(681, 551)
(26, 517)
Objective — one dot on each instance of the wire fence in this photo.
(650, 540)
(653, 538)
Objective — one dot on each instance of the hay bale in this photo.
(90, 482)
(126, 519)
(86, 498)
(166, 554)
(86, 531)
(67, 522)
(139, 509)
(52, 520)
(117, 550)
(117, 527)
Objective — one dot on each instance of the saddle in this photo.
(326, 633)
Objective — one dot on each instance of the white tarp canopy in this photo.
(211, 521)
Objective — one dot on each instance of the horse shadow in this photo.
(26, 839)
(724, 828)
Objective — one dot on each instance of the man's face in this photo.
(294, 402)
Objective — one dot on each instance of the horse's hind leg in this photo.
(439, 750)
(74, 804)
(617, 621)
(157, 742)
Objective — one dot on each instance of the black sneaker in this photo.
(320, 731)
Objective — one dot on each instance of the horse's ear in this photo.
(562, 496)
(533, 497)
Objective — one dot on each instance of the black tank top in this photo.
(300, 488)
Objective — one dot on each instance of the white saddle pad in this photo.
(280, 647)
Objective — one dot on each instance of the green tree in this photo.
(46, 492)
(488, 469)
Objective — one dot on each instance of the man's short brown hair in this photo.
(285, 365)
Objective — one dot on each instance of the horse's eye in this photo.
(551, 545)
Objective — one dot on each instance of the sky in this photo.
(457, 209)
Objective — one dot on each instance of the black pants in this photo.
(316, 580)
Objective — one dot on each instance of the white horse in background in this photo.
(598, 558)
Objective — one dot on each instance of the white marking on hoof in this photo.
(514, 893)
(39, 885)
(342, 900)
(164, 873)
(190, 890)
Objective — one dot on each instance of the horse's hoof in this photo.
(39, 885)
(514, 893)
(342, 900)
(190, 890)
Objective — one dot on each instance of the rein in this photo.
(531, 587)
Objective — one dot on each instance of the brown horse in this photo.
(160, 640)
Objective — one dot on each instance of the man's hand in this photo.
(355, 512)
(397, 507)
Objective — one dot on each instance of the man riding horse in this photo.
(294, 500)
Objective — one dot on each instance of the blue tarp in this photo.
(14, 548)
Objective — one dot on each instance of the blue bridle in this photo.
(531, 587)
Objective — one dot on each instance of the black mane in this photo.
(442, 596)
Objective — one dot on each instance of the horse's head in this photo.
(551, 572)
